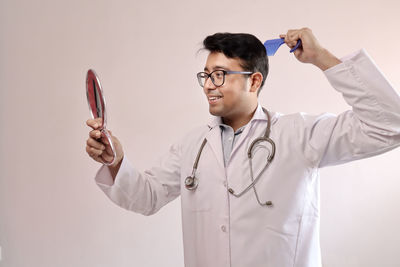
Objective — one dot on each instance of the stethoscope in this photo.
(191, 182)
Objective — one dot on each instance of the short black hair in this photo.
(246, 47)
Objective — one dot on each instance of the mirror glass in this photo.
(97, 106)
(95, 96)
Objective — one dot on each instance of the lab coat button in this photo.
(225, 184)
(223, 228)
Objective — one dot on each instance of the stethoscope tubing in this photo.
(191, 182)
(249, 154)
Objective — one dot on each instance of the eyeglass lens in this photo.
(217, 77)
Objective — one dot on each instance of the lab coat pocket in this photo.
(197, 199)
(280, 248)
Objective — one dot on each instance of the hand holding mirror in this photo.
(97, 107)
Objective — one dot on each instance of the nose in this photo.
(208, 85)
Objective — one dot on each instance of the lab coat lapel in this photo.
(259, 115)
(214, 140)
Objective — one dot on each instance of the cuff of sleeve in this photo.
(346, 60)
(104, 178)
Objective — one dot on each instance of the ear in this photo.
(255, 81)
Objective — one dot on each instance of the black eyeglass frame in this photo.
(225, 72)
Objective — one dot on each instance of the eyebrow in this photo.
(217, 67)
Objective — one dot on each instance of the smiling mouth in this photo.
(213, 98)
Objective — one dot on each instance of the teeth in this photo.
(214, 97)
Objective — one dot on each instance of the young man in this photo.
(236, 211)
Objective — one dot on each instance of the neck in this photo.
(240, 120)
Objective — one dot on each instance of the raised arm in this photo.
(370, 128)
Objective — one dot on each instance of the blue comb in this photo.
(272, 46)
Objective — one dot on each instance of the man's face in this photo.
(229, 99)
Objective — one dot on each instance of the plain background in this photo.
(145, 52)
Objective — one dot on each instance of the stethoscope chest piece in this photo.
(191, 183)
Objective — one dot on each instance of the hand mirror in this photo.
(97, 107)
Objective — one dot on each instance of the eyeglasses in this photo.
(217, 76)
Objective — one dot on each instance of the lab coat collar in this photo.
(258, 115)
(214, 135)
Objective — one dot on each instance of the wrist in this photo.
(115, 167)
(326, 60)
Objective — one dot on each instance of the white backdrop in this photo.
(52, 213)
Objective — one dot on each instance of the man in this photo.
(275, 222)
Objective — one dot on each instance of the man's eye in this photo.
(218, 75)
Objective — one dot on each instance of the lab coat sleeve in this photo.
(372, 126)
(143, 192)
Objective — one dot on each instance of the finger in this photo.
(104, 139)
(292, 35)
(293, 40)
(94, 123)
(95, 144)
(94, 156)
(297, 52)
(107, 158)
(287, 38)
(292, 44)
(93, 152)
(288, 35)
(90, 153)
(96, 134)
(98, 159)
(109, 150)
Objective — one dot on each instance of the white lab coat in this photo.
(222, 230)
